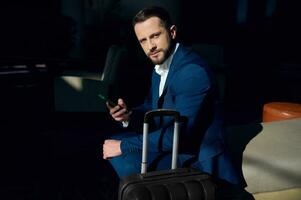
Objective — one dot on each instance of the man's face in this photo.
(155, 39)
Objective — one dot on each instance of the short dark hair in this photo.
(153, 11)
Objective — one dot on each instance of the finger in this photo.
(120, 113)
(108, 105)
(122, 103)
(105, 155)
(114, 109)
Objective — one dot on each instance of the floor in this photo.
(48, 160)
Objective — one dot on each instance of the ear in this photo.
(173, 31)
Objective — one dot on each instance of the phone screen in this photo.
(108, 100)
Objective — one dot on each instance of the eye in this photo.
(156, 35)
(142, 41)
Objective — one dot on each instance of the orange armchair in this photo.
(276, 111)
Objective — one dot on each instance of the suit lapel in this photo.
(156, 82)
(175, 63)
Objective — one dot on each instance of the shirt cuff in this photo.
(125, 124)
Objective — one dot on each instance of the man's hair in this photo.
(153, 11)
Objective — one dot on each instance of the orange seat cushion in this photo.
(276, 111)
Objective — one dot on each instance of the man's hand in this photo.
(111, 148)
(119, 112)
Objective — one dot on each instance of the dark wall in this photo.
(34, 29)
(54, 28)
(260, 38)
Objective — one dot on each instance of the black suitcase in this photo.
(173, 184)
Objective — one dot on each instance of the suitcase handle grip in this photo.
(161, 112)
(149, 115)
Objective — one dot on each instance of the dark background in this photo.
(259, 39)
(260, 42)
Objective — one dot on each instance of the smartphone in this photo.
(111, 103)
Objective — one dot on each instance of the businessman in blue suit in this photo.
(180, 81)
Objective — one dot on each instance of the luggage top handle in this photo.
(149, 115)
(161, 112)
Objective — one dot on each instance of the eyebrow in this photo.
(157, 33)
(151, 36)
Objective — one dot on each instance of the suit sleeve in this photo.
(188, 89)
(136, 119)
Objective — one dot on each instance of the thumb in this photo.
(121, 103)
(108, 105)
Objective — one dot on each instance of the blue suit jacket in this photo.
(189, 89)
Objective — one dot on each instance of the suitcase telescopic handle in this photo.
(150, 115)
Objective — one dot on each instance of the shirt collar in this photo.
(164, 67)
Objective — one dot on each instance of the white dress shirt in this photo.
(163, 69)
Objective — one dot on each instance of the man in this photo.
(180, 81)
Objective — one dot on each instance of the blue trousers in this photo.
(219, 166)
(130, 163)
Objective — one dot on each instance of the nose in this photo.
(151, 46)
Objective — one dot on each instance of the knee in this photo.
(124, 167)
